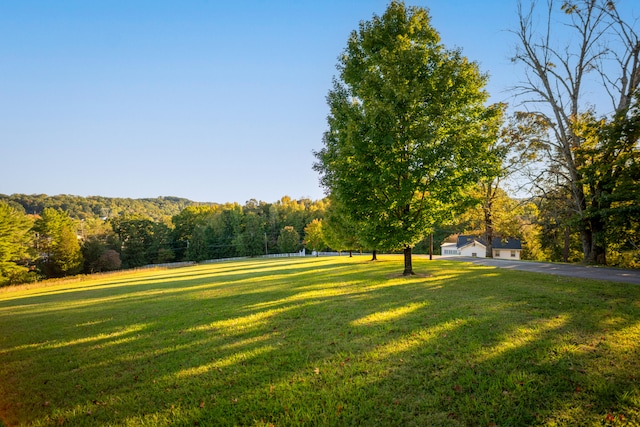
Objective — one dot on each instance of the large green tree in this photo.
(15, 238)
(516, 149)
(408, 129)
(610, 165)
(253, 237)
(577, 53)
(57, 243)
(185, 225)
(288, 240)
(339, 231)
(142, 241)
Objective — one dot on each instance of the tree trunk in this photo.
(596, 225)
(430, 246)
(350, 253)
(488, 223)
(597, 252)
(408, 267)
(587, 243)
(488, 236)
(593, 242)
(567, 241)
(374, 257)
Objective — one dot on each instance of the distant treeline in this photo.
(158, 209)
(53, 236)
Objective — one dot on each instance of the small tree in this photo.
(67, 253)
(314, 236)
(289, 240)
(339, 230)
(109, 260)
(252, 238)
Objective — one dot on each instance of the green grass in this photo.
(321, 341)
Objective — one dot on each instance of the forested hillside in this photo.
(160, 208)
(54, 236)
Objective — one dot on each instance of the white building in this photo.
(473, 246)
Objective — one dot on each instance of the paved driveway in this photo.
(597, 273)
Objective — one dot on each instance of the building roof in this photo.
(496, 242)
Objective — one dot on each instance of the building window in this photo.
(513, 254)
(497, 253)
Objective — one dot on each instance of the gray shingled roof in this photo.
(497, 242)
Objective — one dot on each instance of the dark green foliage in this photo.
(610, 170)
(184, 228)
(68, 242)
(289, 240)
(142, 241)
(15, 241)
(198, 249)
(59, 252)
(253, 237)
(160, 208)
(100, 254)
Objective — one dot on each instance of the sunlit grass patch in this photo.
(321, 341)
(388, 315)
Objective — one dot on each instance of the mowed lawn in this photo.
(321, 341)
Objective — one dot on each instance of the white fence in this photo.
(302, 253)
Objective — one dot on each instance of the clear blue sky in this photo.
(214, 101)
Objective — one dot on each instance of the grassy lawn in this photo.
(321, 341)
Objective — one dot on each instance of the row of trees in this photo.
(87, 208)
(412, 143)
(52, 243)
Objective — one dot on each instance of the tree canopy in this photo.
(408, 129)
(57, 243)
(592, 152)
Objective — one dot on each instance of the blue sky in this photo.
(215, 101)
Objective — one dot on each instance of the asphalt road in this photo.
(585, 272)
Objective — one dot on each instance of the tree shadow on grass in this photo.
(183, 282)
(465, 346)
